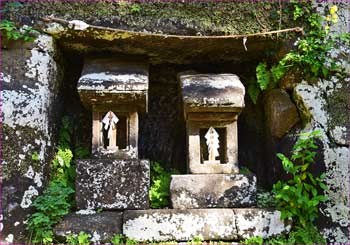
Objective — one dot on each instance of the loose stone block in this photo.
(281, 113)
(101, 226)
(212, 191)
(209, 224)
(112, 184)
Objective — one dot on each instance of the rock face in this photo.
(209, 224)
(112, 184)
(30, 78)
(101, 226)
(281, 114)
(212, 191)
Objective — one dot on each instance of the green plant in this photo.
(82, 238)
(81, 152)
(130, 241)
(11, 32)
(196, 240)
(307, 235)
(312, 53)
(50, 207)
(117, 239)
(135, 8)
(253, 240)
(265, 199)
(299, 197)
(57, 199)
(35, 156)
(265, 79)
(160, 182)
(244, 170)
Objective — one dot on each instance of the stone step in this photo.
(209, 224)
(101, 226)
(213, 191)
(158, 225)
(112, 184)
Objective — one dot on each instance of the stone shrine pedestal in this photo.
(212, 103)
(114, 179)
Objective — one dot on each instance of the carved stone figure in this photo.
(212, 138)
(110, 121)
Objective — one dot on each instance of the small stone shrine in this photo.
(116, 92)
(211, 105)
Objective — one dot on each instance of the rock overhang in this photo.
(166, 48)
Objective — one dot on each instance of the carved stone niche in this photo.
(212, 103)
(115, 91)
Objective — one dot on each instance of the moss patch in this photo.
(338, 107)
(18, 148)
(171, 18)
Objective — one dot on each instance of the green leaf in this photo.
(323, 186)
(254, 91)
(263, 76)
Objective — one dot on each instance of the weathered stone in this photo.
(101, 226)
(259, 222)
(212, 191)
(290, 79)
(209, 224)
(212, 101)
(110, 81)
(281, 114)
(112, 184)
(211, 92)
(30, 79)
(228, 149)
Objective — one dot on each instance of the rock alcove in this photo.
(36, 97)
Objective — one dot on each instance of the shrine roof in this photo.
(212, 92)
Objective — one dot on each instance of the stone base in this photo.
(112, 184)
(212, 191)
(209, 224)
(213, 168)
(101, 226)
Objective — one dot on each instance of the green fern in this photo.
(262, 76)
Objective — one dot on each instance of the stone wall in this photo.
(326, 103)
(30, 82)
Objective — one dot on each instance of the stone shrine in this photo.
(211, 104)
(116, 92)
(214, 201)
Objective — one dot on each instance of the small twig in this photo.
(65, 22)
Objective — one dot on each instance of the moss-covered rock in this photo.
(201, 18)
